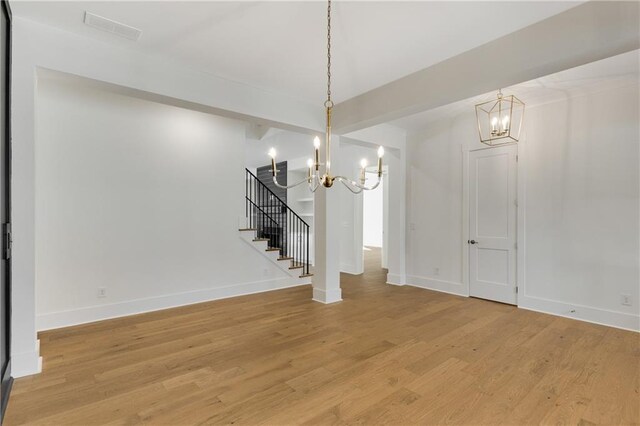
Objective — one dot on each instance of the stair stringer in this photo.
(249, 235)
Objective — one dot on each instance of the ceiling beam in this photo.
(586, 33)
(39, 46)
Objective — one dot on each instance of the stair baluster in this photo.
(276, 221)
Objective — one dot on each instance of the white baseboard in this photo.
(395, 279)
(579, 312)
(26, 363)
(327, 296)
(88, 314)
(349, 269)
(438, 285)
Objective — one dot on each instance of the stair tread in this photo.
(247, 229)
(285, 258)
(261, 239)
(272, 249)
(296, 267)
(306, 275)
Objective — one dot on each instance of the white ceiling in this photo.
(616, 71)
(280, 46)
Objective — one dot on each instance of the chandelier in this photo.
(500, 120)
(314, 179)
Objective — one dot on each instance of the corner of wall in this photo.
(349, 269)
(396, 279)
(26, 363)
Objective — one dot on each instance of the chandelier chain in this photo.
(329, 102)
(314, 179)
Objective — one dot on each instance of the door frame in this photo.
(359, 222)
(520, 217)
(6, 379)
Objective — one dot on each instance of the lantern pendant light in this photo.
(500, 120)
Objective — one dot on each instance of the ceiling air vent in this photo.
(112, 27)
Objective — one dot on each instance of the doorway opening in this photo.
(374, 224)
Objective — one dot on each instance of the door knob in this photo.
(472, 242)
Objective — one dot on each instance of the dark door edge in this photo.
(7, 383)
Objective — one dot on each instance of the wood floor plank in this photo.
(385, 355)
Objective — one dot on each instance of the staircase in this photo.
(274, 229)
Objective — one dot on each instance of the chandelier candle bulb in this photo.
(316, 144)
(327, 141)
(310, 167)
(326, 179)
(363, 170)
(272, 154)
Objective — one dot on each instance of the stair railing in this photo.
(275, 221)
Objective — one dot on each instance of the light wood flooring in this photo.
(385, 355)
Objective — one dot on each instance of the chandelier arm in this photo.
(349, 184)
(314, 182)
(275, 182)
(374, 186)
(361, 187)
(313, 179)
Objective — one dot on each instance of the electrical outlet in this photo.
(436, 271)
(102, 292)
(412, 226)
(625, 300)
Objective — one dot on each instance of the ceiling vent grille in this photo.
(112, 27)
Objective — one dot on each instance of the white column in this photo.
(397, 161)
(25, 347)
(326, 210)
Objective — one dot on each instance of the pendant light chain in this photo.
(314, 179)
(329, 102)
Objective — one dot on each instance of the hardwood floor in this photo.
(385, 355)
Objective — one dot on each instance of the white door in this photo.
(492, 223)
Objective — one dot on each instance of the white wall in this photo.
(140, 199)
(579, 202)
(372, 215)
(36, 45)
(288, 145)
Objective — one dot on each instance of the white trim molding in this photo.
(465, 219)
(429, 283)
(590, 314)
(327, 296)
(396, 279)
(521, 203)
(349, 268)
(88, 314)
(26, 363)
(580, 312)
